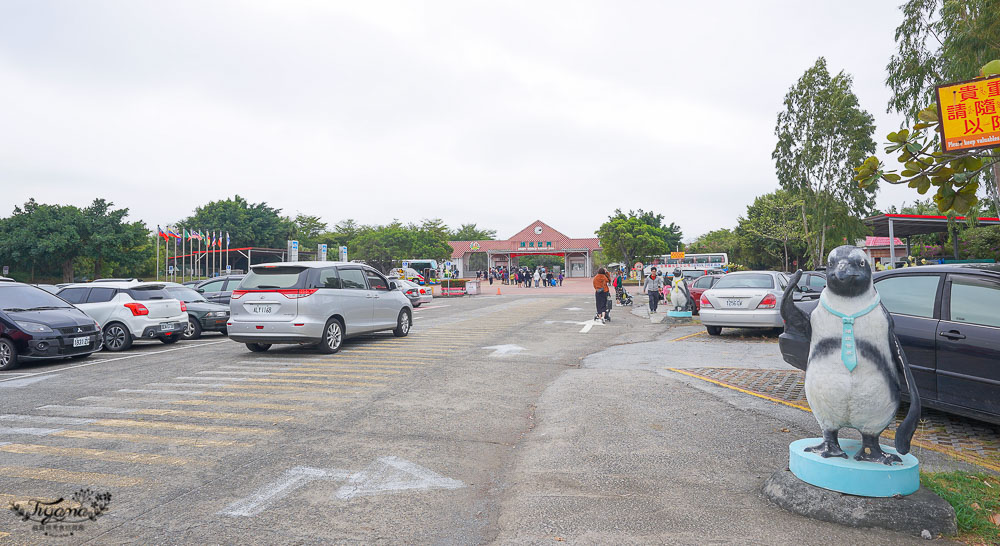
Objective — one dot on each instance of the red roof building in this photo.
(537, 238)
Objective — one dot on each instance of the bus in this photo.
(694, 262)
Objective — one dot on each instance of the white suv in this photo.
(129, 310)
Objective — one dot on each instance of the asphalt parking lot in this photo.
(499, 419)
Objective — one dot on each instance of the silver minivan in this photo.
(315, 303)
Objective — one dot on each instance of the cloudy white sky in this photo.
(497, 113)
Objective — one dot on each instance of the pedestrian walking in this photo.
(601, 293)
(652, 288)
(560, 278)
(548, 279)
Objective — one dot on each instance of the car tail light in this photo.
(138, 309)
(704, 301)
(769, 302)
(422, 291)
(237, 294)
(297, 293)
(184, 307)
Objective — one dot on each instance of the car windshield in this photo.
(151, 292)
(273, 277)
(746, 280)
(185, 294)
(28, 298)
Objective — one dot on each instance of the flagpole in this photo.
(227, 251)
(183, 254)
(157, 252)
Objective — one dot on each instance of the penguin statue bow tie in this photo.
(848, 348)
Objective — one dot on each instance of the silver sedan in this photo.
(746, 299)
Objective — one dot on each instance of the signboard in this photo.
(293, 251)
(447, 264)
(474, 246)
(229, 269)
(406, 264)
(970, 114)
(638, 265)
(170, 269)
(6, 269)
(321, 252)
(676, 255)
(343, 253)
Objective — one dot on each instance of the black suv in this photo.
(37, 324)
(947, 318)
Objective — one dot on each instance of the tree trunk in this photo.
(995, 190)
(98, 266)
(67, 271)
(805, 231)
(786, 252)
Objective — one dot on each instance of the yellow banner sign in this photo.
(676, 255)
(970, 114)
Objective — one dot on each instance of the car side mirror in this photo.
(797, 296)
(393, 286)
(200, 290)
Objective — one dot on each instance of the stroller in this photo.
(622, 296)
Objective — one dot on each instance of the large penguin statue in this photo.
(852, 375)
(680, 296)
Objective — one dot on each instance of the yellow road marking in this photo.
(97, 454)
(283, 396)
(316, 382)
(68, 476)
(394, 362)
(215, 415)
(689, 335)
(179, 426)
(3, 534)
(239, 404)
(147, 438)
(889, 434)
(283, 388)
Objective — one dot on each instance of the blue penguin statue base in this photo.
(679, 314)
(853, 477)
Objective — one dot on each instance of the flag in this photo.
(173, 233)
(189, 235)
(227, 239)
(161, 233)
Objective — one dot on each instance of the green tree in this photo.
(822, 133)
(773, 227)
(939, 41)
(430, 240)
(310, 231)
(248, 224)
(110, 242)
(382, 246)
(638, 234)
(469, 232)
(43, 238)
(719, 240)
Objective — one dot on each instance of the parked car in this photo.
(50, 288)
(745, 299)
(193, 283)
(947, 320)
(699, 286)
(203, 315)
(417, 294)
(35, 324)
(315, 303)
(812, 282)
(129, 311)
(219, 289)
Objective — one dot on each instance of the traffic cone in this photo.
(498, 291)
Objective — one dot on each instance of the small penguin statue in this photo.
(852, 375)
(680, 296)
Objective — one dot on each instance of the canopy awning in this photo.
(905, 225)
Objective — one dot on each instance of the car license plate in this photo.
(81, 341)
(164, 326)
(262, 309)
(734, 303)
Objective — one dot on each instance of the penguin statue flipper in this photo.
(904, 433)
(796, 320)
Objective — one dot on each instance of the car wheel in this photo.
(171, 339)
(403, 324)
(117, 337)
(714, 330)
(8, 354)
(333, 337)
(258, 347)
(224, 331)
(192, 330)
(417, 304)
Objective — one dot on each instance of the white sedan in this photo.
(745, 299)
(418, 295)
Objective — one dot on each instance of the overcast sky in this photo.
(498, 113)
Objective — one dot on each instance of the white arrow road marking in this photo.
(589, 324)
(390, 474)
(293, 479)
(384, 475)
(503, 350)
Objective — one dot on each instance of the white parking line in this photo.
(180, 385)
(45, 419)
(28, 430)
(204, 378)
(103, 360)
(86, 409)
(233, 371)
